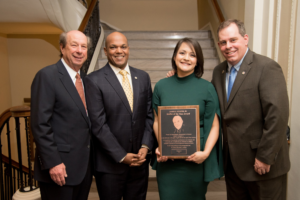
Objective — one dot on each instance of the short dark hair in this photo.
(228, 22)
(193, 44)
(63, 41)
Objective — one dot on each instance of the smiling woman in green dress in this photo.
(189, 178)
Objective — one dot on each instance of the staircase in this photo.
(152, 51)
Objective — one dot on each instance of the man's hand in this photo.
(131, 158)
(170, 73)
(197, 157)
(58, 174)
(260, 167)
(142, 157)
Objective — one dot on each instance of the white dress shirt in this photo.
(119, 76)
(73, 74)
(71, 71)
(237, 68)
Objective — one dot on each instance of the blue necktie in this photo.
(231, 81)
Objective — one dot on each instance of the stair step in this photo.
(151, 51)
(164, 34)
(204, 43)
(162, 53)
(158, 64)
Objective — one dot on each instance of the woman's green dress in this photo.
(179, 179)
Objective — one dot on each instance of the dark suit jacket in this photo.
(117, 130)
(60, 125)
(255, 118)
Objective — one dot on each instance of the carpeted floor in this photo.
(216, 190)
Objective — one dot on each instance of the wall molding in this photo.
(289, 76)
(270, 36)
(277, 31)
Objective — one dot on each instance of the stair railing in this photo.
(91, 27)
(218, 11)
(14, 175)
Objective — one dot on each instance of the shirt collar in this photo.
(237, 66)
(117, 69)
(71, 71)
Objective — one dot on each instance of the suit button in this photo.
(88, 146)
(133, 122)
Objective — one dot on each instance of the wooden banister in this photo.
(22, 111)
(15, 164)
(218, 11)
(87, 16)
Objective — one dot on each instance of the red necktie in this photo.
(79, 87)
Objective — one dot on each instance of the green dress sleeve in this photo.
(213, 165)
(156, 98)
(155, 104)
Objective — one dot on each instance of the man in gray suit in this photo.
(254, 107)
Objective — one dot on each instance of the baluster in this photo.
(2, 173)
(25, 180)
(5, 185)
(28, 153)
(9, 155)
(19, 152)
(14, 178)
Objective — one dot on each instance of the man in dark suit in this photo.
(255, 110)
(60, 124)
(119, 104)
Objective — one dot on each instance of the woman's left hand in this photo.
(198, 157)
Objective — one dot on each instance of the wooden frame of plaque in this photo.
(178, 131)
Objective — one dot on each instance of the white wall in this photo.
(149, 15)
(233, 9)
(294, 174)
(26, 57)
(5, 94)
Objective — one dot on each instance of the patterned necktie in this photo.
(231, 81)
(79, 87)
(127, 88)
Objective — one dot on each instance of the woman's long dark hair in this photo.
(193, 44)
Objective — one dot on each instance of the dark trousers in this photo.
(52, 191)
(272, 189)
(131, 185)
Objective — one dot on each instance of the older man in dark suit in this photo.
(254, 106)
(60, 124)
(119, 104)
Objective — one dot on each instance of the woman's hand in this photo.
(198, 157)
(159, 157)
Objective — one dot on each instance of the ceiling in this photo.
(25, 11)
(30, 16)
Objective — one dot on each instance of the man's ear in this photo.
(105, 51)
(246, 38)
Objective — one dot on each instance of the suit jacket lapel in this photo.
(136, 87)
(242, 74)
(114, 82)
(223, 87)
(70, 87)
